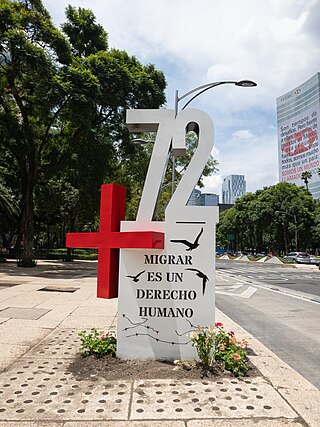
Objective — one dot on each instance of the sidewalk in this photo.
(41, 312)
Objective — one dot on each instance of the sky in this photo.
(275, 43)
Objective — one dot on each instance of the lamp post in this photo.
(295, 224)
(198, 91)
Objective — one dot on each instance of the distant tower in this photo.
(209, 199)
(195, 198)
(233, 187)
(203, 199)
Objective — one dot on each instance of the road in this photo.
(280, 306)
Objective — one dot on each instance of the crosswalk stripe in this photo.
(248, 292)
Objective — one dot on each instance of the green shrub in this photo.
(98, 344)
(80, 254)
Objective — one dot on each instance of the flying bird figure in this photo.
(190, 245)
(136, 277)
(202, 276)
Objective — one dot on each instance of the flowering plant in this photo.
(215, 344)
(203, 341)
(97, 344)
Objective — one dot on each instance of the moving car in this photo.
(299, 257)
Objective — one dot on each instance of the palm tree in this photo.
(306, 176)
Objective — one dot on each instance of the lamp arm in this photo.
(197, 94)
(208, 85)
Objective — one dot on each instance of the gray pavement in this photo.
(41, 312)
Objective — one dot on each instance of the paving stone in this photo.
(89, 311)
(58, 288)
(125, 424)
(22, 335)
(306, 403)
(228, 398)
(280, 374)
(10, 353)
(61, 343)
(23, 313)
(46, 390)
(245, 423)
(87, 322)
(31, 424)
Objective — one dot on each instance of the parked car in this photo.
(299, 257)
(314, 260)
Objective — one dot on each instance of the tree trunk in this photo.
(26, 230)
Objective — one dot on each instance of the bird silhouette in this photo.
(190, 245)
(136, 277)
(202, 276)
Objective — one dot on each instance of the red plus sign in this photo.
(109, 239)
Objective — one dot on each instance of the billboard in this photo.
(298, 122)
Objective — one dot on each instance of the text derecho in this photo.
(166, 294)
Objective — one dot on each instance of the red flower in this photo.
(218, 324)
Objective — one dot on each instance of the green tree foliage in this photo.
(85, 35)
(62, 109)
(9, 213)
(269, 219)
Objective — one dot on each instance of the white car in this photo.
(299, 257)
(314, 260)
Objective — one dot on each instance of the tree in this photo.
(269, 219)
(29, 48)
(59, 93)
(306, 176)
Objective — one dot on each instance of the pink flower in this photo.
(233, 341)
(244, 344)
(236, 357)
(222, 346)
(218, 324)
(102, 337)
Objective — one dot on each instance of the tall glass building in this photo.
(298, 144)
(233, 187)
(203, 199)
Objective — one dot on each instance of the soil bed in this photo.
(112, 368)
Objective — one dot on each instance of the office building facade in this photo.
(298, 144)
(233, 187)
(209, 199)
(203, 199)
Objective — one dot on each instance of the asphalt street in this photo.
(280, 306)
(304, 281)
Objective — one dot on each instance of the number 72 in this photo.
(171, 133)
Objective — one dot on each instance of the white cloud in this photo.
(213, 184)
(275, 43)
(242, 134)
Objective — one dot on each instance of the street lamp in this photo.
(198, 91)
(295, 224)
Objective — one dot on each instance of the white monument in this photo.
(166, 294)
